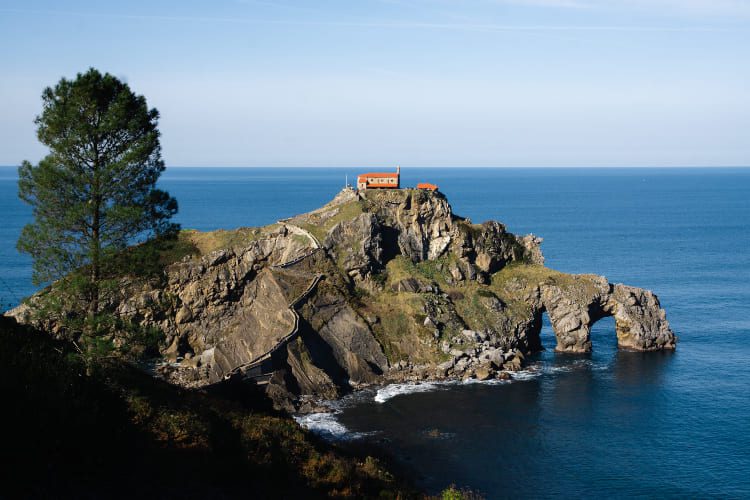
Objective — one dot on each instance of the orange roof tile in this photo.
(379, 174)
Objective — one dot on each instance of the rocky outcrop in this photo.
(357, 245)
(395, 287)
(640, 322)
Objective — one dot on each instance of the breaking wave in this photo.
(324, 424)
(327, 425)
(393, 390)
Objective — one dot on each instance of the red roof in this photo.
(379, 174)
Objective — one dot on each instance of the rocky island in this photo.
(375, 286)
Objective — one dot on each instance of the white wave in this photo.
(327, 425)
(489, 381)
(528, 374)
(393, 390)
(324, 424)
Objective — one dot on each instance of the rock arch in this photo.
(575, 305)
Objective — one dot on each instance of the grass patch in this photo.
(401, 329)
(320, 228)
(401, 267)
(207, 242)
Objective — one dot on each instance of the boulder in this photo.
(484, 372)
(443, 368)
(471, 335)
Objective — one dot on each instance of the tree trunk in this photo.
(95, 262)
(96, 202)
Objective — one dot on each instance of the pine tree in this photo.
(95, 192)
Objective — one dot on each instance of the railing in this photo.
(292, 307)
(282, 341)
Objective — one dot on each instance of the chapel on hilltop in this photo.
(379, 180)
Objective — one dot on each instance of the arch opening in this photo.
(541, 335)
(603, 335)
(579, 332)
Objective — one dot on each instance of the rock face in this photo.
(374, 286)
(640, 322)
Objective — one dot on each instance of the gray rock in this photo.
(232, 306)
(484, 373)
(443, 368)
(471, 335)
(411, 285)
(495, 358)
(461, 365)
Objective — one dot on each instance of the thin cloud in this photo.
(385, 24)
(698, 7)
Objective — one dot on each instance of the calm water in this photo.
(609, 424)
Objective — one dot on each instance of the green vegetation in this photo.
(319, 226)
(95, 192)
(148, 259)
(453, 493)
(108, 429)
(475, 308)
(207, 242)
(518, 276)
(401, 319)
(436, 270)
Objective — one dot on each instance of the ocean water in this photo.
(615, 424)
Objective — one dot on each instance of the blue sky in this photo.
(415, 82)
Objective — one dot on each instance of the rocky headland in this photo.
(374, 287)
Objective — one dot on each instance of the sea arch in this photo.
(574, 307)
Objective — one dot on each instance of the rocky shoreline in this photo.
(375, 287)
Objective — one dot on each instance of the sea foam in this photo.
(393, 390)
(326, 425)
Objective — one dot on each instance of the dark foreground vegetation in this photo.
(84, 429)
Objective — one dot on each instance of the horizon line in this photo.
(385, 165)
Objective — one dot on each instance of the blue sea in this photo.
(609, 424)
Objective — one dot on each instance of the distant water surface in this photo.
(612, 424)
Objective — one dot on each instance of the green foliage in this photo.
(359, 295)
(95, 192)
(97, 348)
(149, 259)
(346, 212)
(140, 341)
(381, 278)
(106, 334)
(110, 430)
(453, 493)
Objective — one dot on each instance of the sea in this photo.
(608, 424)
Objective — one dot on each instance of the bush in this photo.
(453, 493)
(113, 431)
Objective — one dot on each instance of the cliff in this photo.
(374, 286)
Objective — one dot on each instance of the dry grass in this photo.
(319, 225)
(207, 242)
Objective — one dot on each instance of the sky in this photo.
(506, 83)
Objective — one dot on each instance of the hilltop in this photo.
(375, 286)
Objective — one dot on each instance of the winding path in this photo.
(258, 361)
